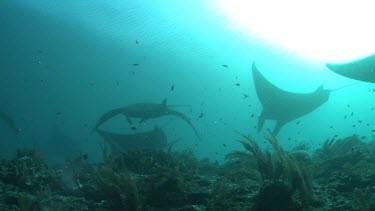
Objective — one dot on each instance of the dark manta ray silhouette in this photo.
(10, 122)
(284, 106)
(155, 139)
(362, 70)
(144, 111)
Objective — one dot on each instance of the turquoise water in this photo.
(63, 64)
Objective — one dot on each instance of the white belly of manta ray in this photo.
(323, 31)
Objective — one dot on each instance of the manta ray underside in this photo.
(362, 70)
(284, 106)
(154, 139)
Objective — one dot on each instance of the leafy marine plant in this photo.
(118, 188)
(27, 171)
(263, 159)
(276, 166)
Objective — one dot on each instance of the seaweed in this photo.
(274, 197)
(277, 166)
(334, 148)
(119, 189)
(28, 171)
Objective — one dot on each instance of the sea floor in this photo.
(339, 176)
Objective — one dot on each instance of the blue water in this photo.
(65, 63)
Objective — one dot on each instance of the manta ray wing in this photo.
(186, 119)
(362, 70)
(7, 119)
(284, 106)
(155, 139)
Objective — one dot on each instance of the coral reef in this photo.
(341, 174)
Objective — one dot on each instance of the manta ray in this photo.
(362, 69)
(155, 139)
(144, 111)
(284, 106)
(10, 122)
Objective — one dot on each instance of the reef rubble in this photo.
(338, 176)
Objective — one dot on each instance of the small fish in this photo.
(252, 115)
(238, 84)
(373, 90)
(331, 126)
(172, 88)
(224, 145)
(85, 156)
(133, 128)
(336, 135)
(249, 106)
(348, 106)
(135, 64)
(359, 121)
(353, 125)
(245, 96)
(351, 114)
(224, 65)
(373, 131)
(136, 42)
(297, 122)
(345, 117)
(201, 115)
(58, 113)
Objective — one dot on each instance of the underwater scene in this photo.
(187, 105)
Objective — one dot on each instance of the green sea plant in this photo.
(292, 172)
(26, 202)
(118, 188)
(276, 166)
(27, 171)
(334, 148)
